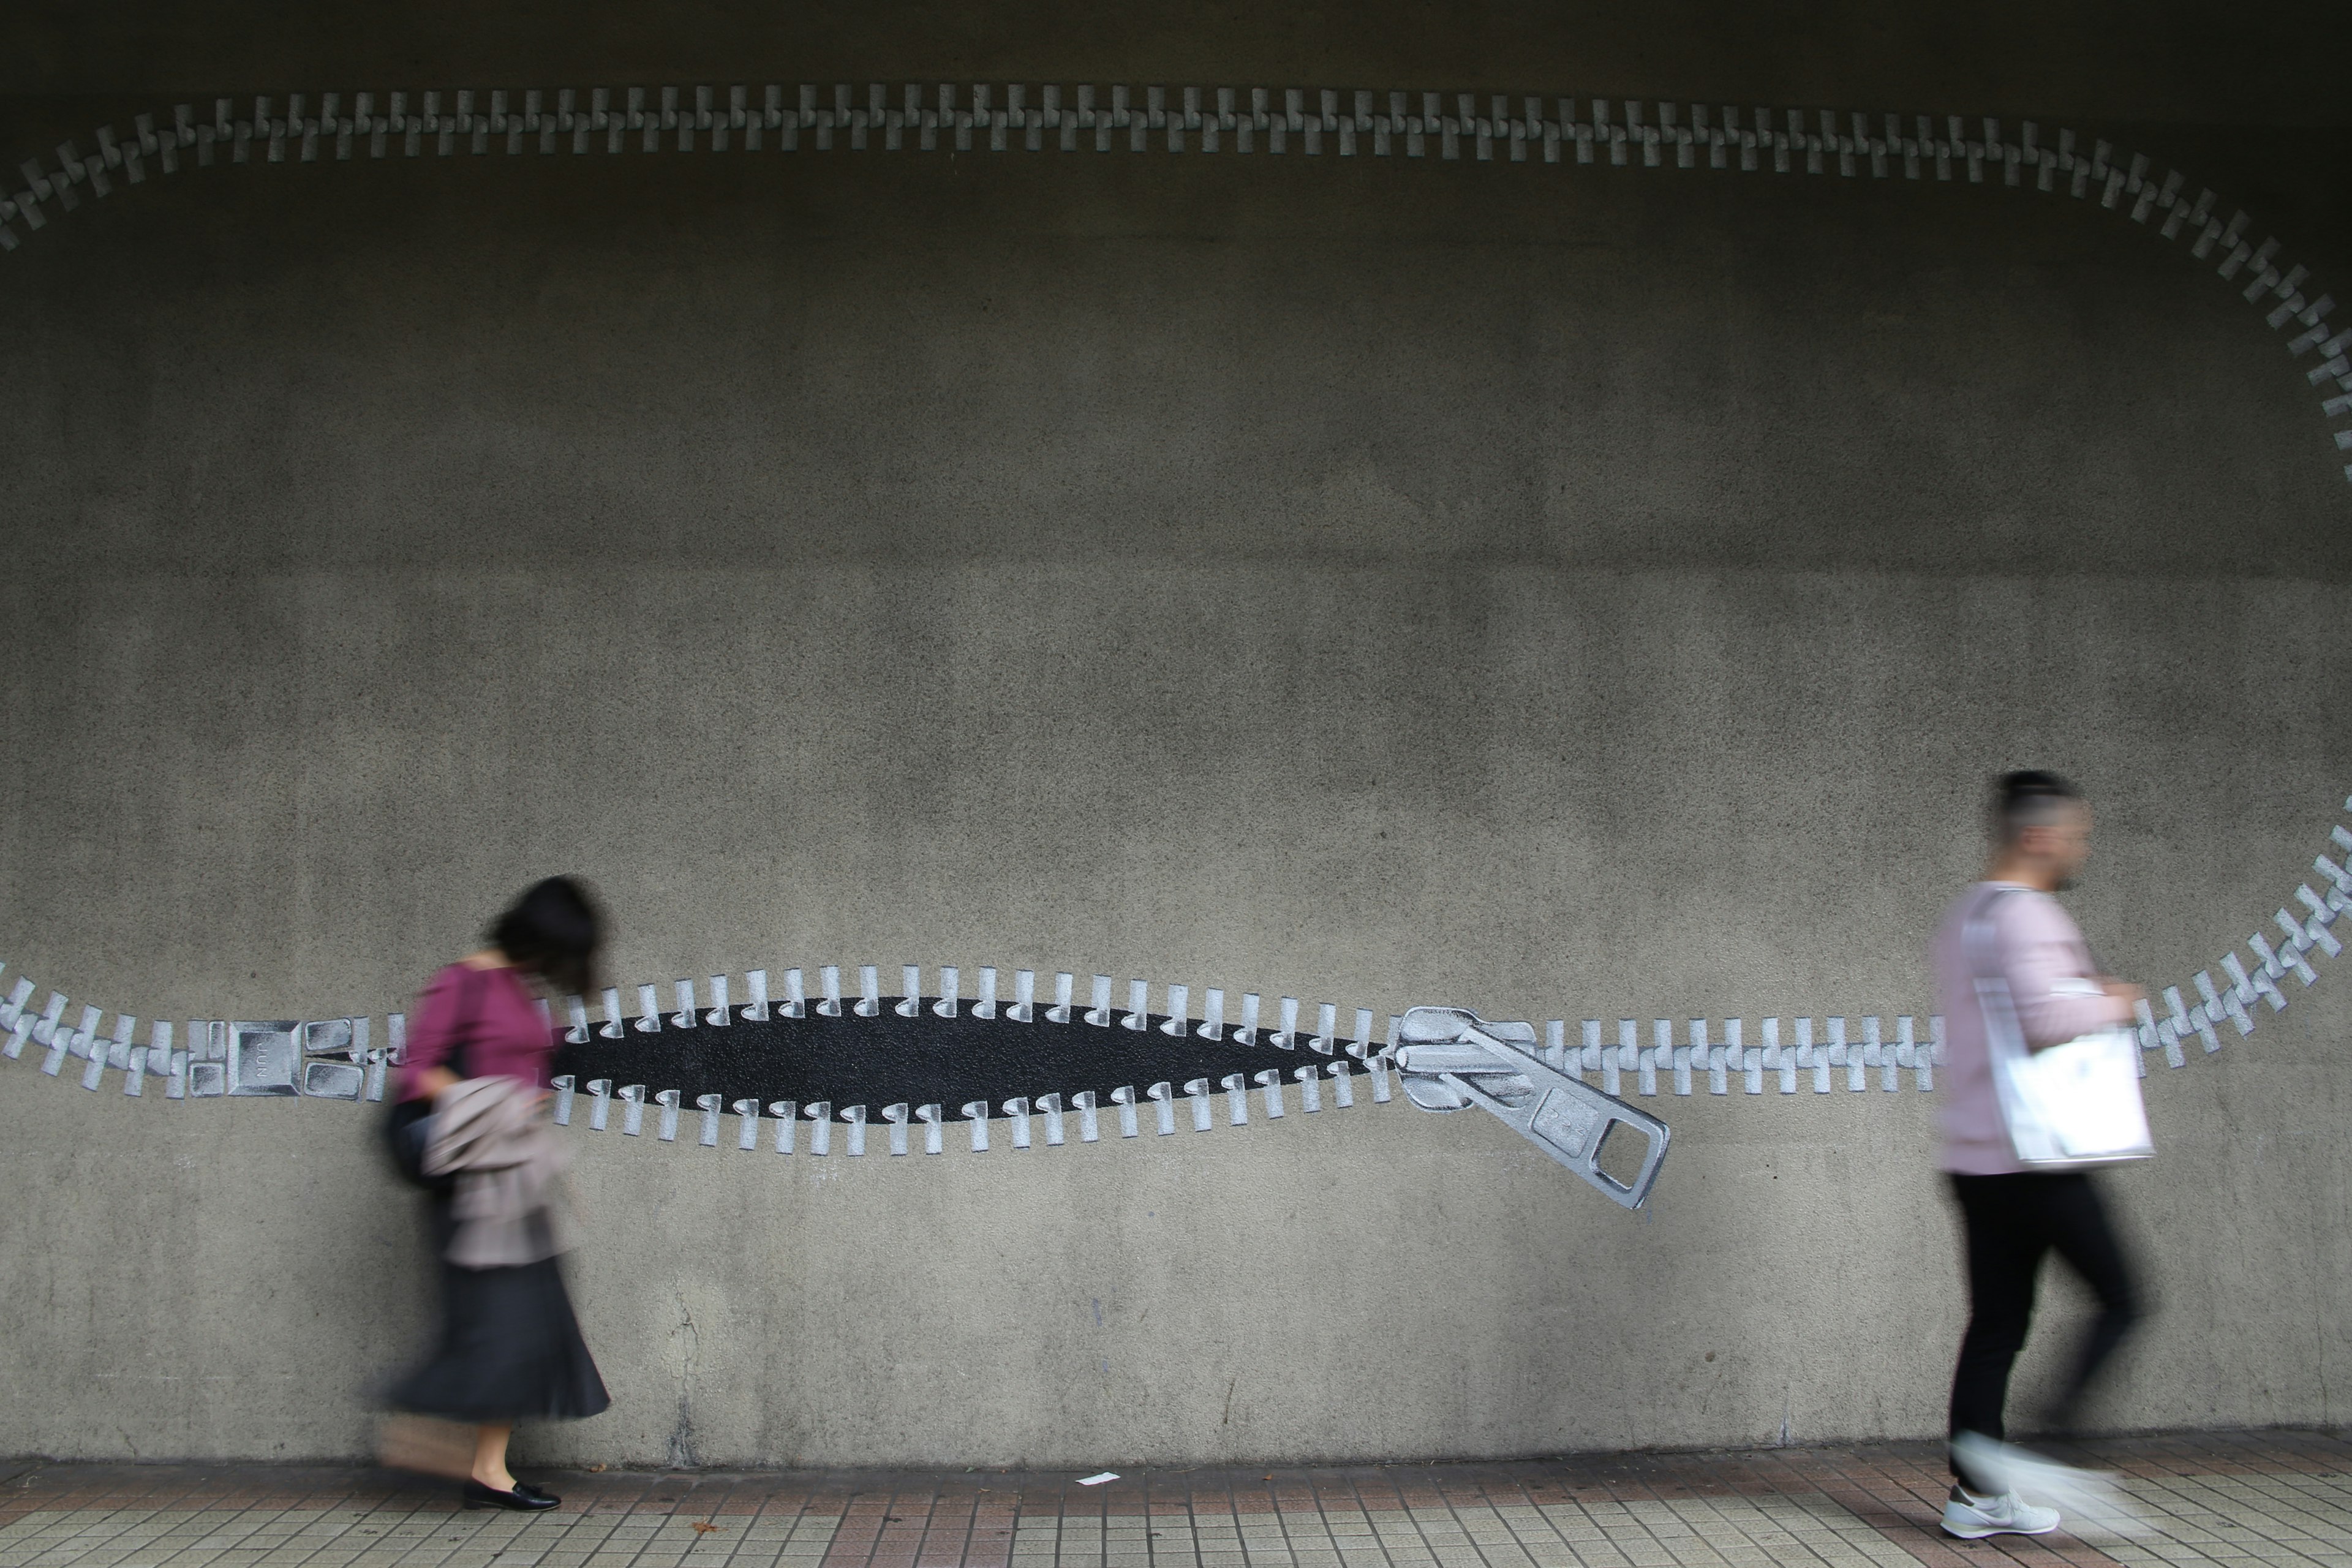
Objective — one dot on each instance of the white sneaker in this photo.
(2004, 1515)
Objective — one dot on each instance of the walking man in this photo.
(2011, 1215)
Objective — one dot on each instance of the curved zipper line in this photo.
(1620, 129)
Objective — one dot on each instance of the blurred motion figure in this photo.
(2009, 928)
(471, 1127)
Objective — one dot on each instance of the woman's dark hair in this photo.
(554, 931)
(2029, 798)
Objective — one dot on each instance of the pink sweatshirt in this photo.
(2036, 944)
(504, 1034)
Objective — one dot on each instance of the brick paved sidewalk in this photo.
(2271, 1497)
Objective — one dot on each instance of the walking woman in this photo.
(471, 1125)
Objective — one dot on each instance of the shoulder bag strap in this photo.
(2029, 1136)
(2004, 1036)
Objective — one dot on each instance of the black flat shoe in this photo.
(525, 1498)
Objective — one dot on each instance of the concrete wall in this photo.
(235, 1278)
(1566, 592)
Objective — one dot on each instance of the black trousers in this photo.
(2009, 1223)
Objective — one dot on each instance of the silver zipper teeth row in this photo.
(948, 1001)
(334, 1058)
(1346, 122)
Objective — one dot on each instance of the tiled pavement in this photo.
(2270, 1497)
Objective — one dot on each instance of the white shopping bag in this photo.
(2075, 1104)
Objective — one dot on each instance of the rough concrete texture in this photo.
(1372, 1283)
(1565, 592)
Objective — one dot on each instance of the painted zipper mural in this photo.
(792, 1073)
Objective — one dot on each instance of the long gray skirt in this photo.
(509, 1347)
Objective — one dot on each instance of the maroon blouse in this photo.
(496, 1017)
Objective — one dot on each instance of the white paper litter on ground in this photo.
(1098, 1478)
